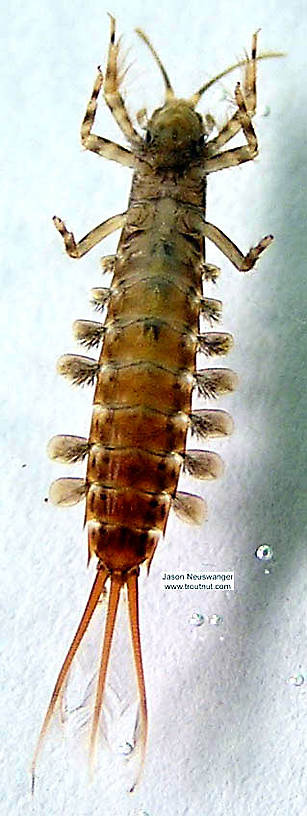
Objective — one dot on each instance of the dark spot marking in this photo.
(91, 500)
(191, 292)
(161, 466)
(193, 239)
(168, 248)
(93, 463)
(153, 503)
(151, 326)
(113, 37)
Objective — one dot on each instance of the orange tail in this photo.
(133, 602)
(96, 591)
(116, 585)
(117, 582)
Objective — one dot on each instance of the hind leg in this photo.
(242, 262)
(80, 248)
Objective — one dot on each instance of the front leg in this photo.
(111, 92)
(233, 125)
(104, 147)
(76, 250)
(238, 155)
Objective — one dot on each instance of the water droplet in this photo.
(196, 619)
(215, 620)
(267, 111)
(125, 748)
(222, 637)
(264, 552)
(296, 680)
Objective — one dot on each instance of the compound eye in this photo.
(148, 137)
(201, 140)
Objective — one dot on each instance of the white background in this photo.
(226, 728)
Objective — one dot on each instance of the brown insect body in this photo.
(147, 366)
(149, 345)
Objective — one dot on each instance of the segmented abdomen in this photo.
(142, 400)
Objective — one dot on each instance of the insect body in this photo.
(146, 371)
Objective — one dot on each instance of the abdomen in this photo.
(143, 396)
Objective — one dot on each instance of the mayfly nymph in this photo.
(146, 372)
